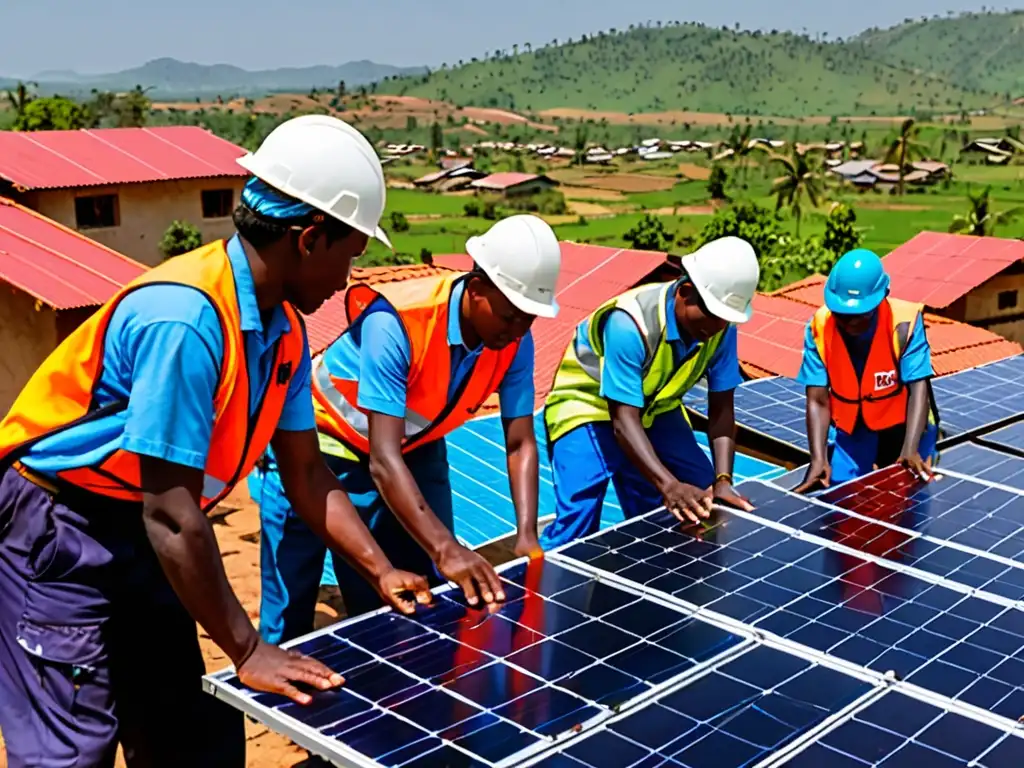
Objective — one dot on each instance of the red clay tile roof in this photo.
(936, 269)
(771, 344)
(327, 323)
(504, 180)
(55, 159)
(57, 265)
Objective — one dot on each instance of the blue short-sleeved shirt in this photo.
(624, 354)
(376, 353)
(163, 353)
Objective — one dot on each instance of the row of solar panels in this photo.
(879, 624)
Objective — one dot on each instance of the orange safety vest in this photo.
(880, 397)
(422, 308)
(59, 395)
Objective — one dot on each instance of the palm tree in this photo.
(801, 178)
(905, 148)
(980, 220)
(21, 96)
(737, 147)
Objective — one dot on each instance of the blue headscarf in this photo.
(265, 201)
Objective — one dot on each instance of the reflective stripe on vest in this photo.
(575, 397)
(59, 394)
(879, 396)
(422, 309)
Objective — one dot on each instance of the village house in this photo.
(993, 151)
(872, 174)
(514, 184)
(451, 177)
(51, 279)
(123, 186)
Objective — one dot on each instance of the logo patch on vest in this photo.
(885, 380)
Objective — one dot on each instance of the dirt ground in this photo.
(237, 525)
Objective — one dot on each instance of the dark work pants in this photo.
(95, 647)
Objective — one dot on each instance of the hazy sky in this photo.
(109, 35)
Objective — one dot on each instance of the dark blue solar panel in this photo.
(863, 612)
(898, 731)
(977, 398)
(563, 650)
(984, 463)
(1008, 438)
(735, 716)
(774, 407)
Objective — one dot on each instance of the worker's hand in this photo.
(920, 468)
(403, 590)
(527, 545)
(688, 503)
(725, 492)
(819, 474)
(471, 573)
(275, 670)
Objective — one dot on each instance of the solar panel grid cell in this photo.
(973, 400)
(1009, 439)
(773, 407)
(984, 464)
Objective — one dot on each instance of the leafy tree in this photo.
(841, 233)
(716, 182)
(180, 237)
(21, 96)
(471, 209)
(436, 138)
(490, 210)
(398, 222)
(648, 235)
(52, 113)
(134, 107)
(980, 220)
(750, 221)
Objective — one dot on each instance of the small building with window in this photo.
(122, 187)
(975, 280)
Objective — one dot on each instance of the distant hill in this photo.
(693, 67)
(982, 51)
(171, 78)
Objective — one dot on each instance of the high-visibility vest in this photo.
(575, 398)
(59, 395)
(422, 309)
(880, 396)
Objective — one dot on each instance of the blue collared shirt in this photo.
(163, 352)
(376, 353)
(625, 352)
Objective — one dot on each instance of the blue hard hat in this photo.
(856, 284)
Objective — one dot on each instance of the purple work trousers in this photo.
(95, 647)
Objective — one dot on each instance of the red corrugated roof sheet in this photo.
(54, 159)
(57, 265)
(504, 180)
(936, 268)
(771, 344)
(589, 276)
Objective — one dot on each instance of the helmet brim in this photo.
(523, 304)
(715, 306)
(849, 306)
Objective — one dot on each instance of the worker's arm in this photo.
(471, 572)
(722, 435)
(723, 376)
(814, 376)
(916, 368)
(184, 544)
(316, 495)
(523, 479)
(516, 396)
(819, 416)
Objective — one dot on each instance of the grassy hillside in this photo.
(983, 51)
(692, 67)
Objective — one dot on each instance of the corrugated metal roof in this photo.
(936, 268)
(55, 159)
(771, 344)
(504, 180)
(57, 265)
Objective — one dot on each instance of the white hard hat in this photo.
(725, 273)
(522, 257)
(325, 162)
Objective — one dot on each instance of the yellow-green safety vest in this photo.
(575, 397)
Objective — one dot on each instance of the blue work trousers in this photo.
(95, 647)
(857, 454)
(586, 459)
(292, 556)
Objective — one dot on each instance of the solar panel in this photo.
(881, 616)
(983, 463)
(898, 731)
(1009, 439)
(979, 399)
(773, 408)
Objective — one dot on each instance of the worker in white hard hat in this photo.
(418, 360)
(132, 430)
(615, 412)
